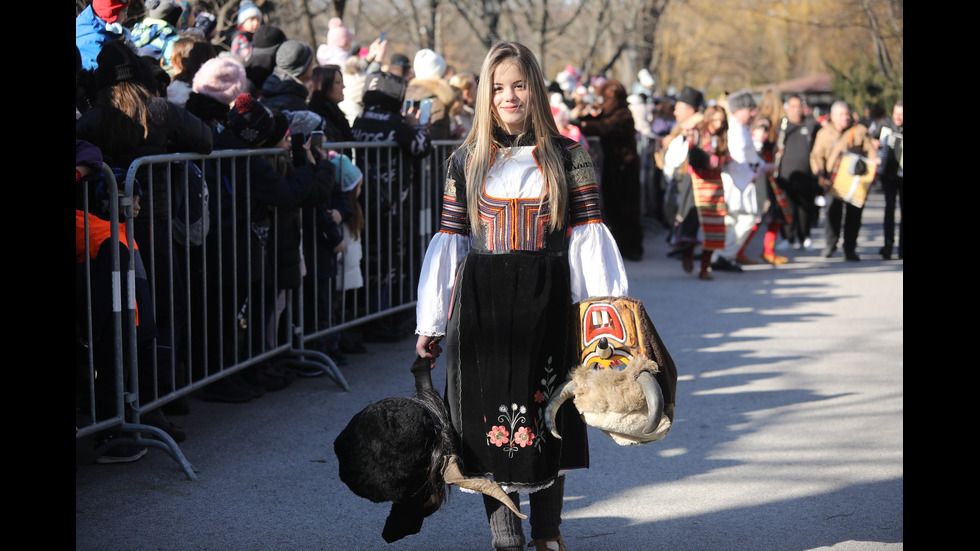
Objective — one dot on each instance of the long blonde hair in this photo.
(480, 144)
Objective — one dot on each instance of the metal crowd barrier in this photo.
(214, 313)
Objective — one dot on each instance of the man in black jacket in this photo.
(793, 173)
(890, 172)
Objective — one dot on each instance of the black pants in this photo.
(893, 188)
(800, 194)
(841, 213)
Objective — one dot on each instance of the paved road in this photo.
(788, 435)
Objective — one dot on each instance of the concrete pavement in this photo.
(788, 434)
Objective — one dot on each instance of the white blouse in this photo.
(596, 266)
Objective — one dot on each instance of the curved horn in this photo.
(655, 400)
(452, 475)
(562, 393)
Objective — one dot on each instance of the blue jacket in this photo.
(91, 32)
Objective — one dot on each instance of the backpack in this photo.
(191, 217)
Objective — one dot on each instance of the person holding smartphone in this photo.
(430, 85)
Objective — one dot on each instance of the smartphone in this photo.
(384, 35)
(407, 106)
(316, 140)
(425, 111)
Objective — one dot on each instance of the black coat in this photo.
(307, 186)
(170, 129)
(283, 92)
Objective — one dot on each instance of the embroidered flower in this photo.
(498, 435)
(539, 397)
(524, 437)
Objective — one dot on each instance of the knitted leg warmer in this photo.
(505, 526)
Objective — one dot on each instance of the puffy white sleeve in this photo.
(445, 252)
(596, 266)
(675, 155)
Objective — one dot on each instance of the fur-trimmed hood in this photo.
(419, 88)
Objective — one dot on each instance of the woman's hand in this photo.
(428, 347)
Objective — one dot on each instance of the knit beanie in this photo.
(251, 121)
(294, 57)
(109, 10)
(429, 64)
(222, 78)
(304, 122)
(119, 63)
(167, 10)
(205, 22)
(248, 10)
(740, 100)
(267, 40)
(347, 174)
(331, 55)
(339, 35)
(646, 79)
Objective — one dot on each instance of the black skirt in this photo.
(507, 350)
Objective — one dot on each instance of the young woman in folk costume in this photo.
(706, 160)
(521, 240)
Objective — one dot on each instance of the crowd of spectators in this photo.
(173, 82)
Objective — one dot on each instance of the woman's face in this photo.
(336, 94)
(716, 123)
(510, 97)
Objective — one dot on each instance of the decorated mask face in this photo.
(625, 382)
(606, 340)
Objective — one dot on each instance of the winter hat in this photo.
(117, 62)
(267, 40)
(384, 90)
(646, 79)
(251, 121)
(206, 22)
(222, 78)
(691, 97)
(294, 57)
(740, 100)
(429, 64)
(347, 174)
(109, 10)
(331, 55)
(339, 35)
(248, 10)
(167, 10)
(304, 122)
(401, 60)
